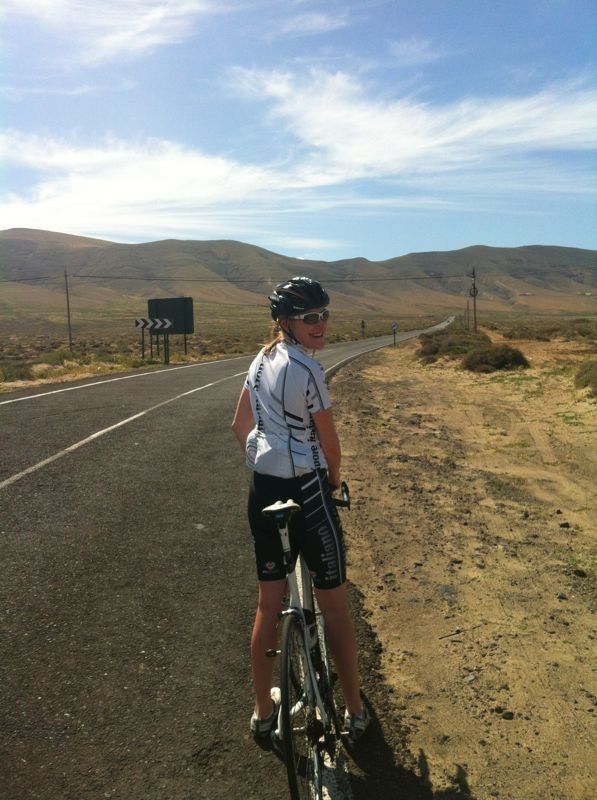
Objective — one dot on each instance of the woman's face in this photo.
(312, 337)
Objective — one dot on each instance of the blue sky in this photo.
(314, 128)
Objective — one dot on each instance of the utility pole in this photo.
(473, 293)
(70, 332)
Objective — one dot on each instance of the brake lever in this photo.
(345, 502)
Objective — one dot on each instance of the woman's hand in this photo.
(334, 481)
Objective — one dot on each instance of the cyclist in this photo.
(285, 425)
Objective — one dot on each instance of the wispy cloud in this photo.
(313, 23)
(96, 31)
(415, 52)
(129, 187)
(348, 151)
(155, 188)
(17, 93)
(350, 135)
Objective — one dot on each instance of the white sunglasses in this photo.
(313, 317)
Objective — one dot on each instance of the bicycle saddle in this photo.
(288, 508)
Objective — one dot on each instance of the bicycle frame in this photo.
(307, 709)
(301, 600)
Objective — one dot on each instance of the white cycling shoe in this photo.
(261, 728)
(355, 725)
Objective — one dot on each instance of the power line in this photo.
(39, 278)
(225, 280)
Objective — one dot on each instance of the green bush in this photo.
(15, 372)
(586, 377)
(57, 358)
(107, 358)
(493, 358)
(544, 330)
(449, 343)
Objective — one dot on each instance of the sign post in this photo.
(394, 329)
(165, 316)
(179, 310)
(473, 291)
(157, 325)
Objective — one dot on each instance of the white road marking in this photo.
(121, 378)
(97, 434)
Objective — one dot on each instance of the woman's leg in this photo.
(265, 637)
(340, 635)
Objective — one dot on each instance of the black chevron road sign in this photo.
(153, 324)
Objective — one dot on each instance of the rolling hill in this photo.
(111, 279)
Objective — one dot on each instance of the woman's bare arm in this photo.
(330, 444)
(243, 422)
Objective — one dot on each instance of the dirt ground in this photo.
(472, 541)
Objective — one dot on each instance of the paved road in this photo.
(127, 590)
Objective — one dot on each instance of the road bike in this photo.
(308, 724)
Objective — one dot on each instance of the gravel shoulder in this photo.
(472, 553)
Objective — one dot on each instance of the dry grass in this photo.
(586, 377)
(221, 332)
(546, 328)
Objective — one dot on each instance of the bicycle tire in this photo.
(301, 730)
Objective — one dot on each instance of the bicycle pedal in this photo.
(272, 653)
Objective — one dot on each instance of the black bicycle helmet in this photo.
(297, 296)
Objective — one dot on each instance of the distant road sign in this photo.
(394, 326)
(162, 325)
(177, 309)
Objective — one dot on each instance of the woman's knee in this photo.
(271, 596)
(333, 602)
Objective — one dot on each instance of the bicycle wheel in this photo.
(301, 730)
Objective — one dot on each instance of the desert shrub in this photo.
(544, 330)
(450, 343)
(584, 328)
(57, 357)
(15, 372)
(107, 358)
(133, 362)
(428, 347)
(586, 377)
(493, 358)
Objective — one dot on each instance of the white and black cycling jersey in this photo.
(286, 387)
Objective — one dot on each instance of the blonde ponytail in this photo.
(276, 336)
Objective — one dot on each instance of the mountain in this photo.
(107, 278)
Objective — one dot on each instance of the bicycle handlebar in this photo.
(345, 501)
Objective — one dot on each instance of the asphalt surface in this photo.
(127, 590)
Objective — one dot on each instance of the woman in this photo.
(284, 423)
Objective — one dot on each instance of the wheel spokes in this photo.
(302, 729)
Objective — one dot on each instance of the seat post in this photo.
(281, 512)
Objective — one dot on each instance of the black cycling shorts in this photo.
(315, 531)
